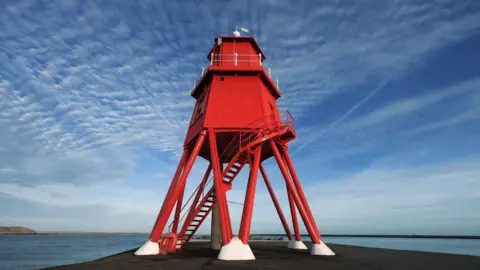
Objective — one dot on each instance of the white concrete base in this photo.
(149, 248)
(236, 250)
(294, 244)
(321, 249)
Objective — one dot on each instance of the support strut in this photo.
(275, 202)
(294, 193)
(301, 194)
(172, 187)
(219, 191)
(170, 202)
(291, 202)
(250, 197)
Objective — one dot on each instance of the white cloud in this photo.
(432, 200)
(452, 121)
(388, 116)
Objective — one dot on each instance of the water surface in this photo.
(38, 251)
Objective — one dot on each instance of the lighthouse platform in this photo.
(276, 255)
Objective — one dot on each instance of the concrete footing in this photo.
(149, 248)
(294, 244)
(321, 249)
(236, 250)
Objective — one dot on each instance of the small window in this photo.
(201, 106)
(199, 109)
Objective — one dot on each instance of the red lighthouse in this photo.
(235, 122)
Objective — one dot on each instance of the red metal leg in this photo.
(227, 211)
(227, 215)
(250, 197)
(293, 190)
(219, 192)
(294, 215)
(301, 194)
(173, 184)
(275, 202)
(170, 203)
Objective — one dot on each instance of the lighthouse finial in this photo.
(237, 33)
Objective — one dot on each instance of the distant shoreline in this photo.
(27, 231)
(404, 236)
(17, 230)
(388, 236)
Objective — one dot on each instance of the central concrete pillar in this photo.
(215, 232)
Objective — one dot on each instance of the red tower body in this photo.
(235, 122)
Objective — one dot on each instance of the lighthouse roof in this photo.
(249, 39)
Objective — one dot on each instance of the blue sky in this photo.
(386, 95)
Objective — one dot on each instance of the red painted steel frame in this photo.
(227, 211)
(250, 197)
(291, 186)
(300, 191)
(170, 202)
(219, 191)
(294, 215)
(275, 202)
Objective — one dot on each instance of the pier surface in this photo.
(275, 255)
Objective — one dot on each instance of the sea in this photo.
(25, 252)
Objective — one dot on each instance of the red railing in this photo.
(269, 123)
(216, 59)
(287, 120)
